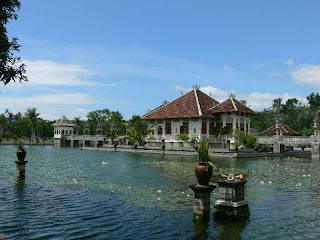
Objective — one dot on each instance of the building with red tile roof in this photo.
(285, 130)
(198, 115)
(232, 105)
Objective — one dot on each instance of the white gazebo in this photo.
(62, 127)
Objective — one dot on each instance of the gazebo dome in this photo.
(64, 122)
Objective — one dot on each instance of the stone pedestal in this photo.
(231, 203)
(315, 150)
(278, 148)
(201, 208)
(21, 169)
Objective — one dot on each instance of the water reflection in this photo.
(230, 230)
(19, 184)
(200, 228)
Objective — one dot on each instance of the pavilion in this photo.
(283, 129)
(198, 116)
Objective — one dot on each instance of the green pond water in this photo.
(76, 194)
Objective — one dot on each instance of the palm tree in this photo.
(32, 116)
(3, 122)
(137, 132)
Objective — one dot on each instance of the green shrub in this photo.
(183, 137)
(251, 141)
(242, 138)
(204, 151)
(193, 139)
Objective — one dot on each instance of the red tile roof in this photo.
(232, 105)
(285, 131)
(193, 104)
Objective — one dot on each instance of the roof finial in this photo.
(232, 95)
(196, 87)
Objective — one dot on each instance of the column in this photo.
(234, 122)
(245, 124)
(201, 209)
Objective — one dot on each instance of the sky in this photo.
(131, 55)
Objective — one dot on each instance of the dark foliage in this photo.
(11, 66)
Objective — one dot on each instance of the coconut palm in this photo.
(32, 116)
(137, 132)
(3, 122)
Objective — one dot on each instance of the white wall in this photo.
(59, 133)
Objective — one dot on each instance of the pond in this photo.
(142, 196)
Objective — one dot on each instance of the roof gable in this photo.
(191, 105)
(284, 128)
(232, 105)
(64, 121)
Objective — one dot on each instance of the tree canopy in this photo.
(11, 66)
(295, 114)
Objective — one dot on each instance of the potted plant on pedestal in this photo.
(21, 153)
(205, 167)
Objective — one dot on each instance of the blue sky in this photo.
(132, 55)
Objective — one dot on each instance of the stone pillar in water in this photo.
(21, 169)
(231, 203)
(315, 149)
(201, 210)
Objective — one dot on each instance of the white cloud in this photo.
(307, 74)
(259, 101)
(46, 72)
(182, 89)
(50, 106)
(219, 95)
(54, 105)
(289, 62)
(50, 73)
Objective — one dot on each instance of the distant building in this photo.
(283, 129)
(197, 115)
(62, 128)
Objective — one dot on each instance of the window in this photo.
(62, 131)
(168, 128)
(194, 130)
(176, 130)
(160, 130)
(212, 130)
(204, 128)
(184, 129)
(229, 122)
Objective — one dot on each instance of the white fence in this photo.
(295, 141)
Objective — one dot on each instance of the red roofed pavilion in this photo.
(198, 115)
(285, 130)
